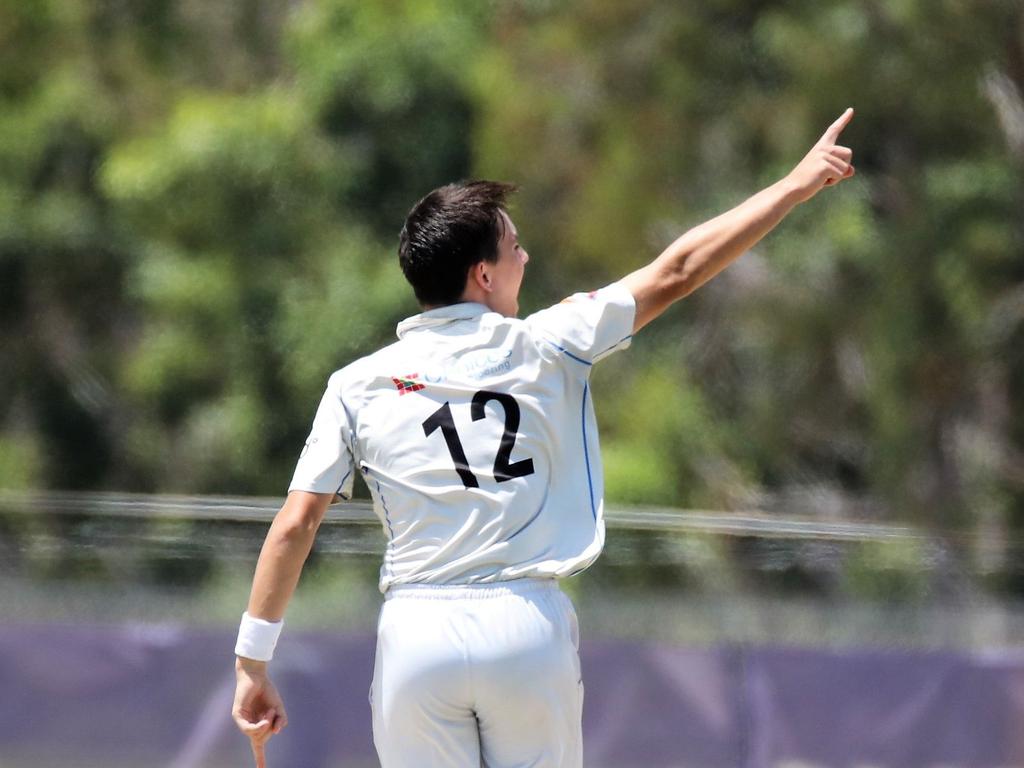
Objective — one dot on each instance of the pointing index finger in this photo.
(831, 134)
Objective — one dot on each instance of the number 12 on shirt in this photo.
(504, 469)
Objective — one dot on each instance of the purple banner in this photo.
(160, 696)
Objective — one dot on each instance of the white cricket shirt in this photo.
(476, 436)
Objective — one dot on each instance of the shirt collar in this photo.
(434, 318)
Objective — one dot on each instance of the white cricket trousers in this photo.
(478, 675)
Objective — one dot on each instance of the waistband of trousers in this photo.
(462, 591)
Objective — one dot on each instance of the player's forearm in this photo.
(277, 572)
(704, 251)
(284, 552)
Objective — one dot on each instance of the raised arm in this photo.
(707, 249)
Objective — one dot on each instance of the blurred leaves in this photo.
(199, 207)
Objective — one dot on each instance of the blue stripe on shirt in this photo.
(388, 552)
(342, 485)
(586, 454)
(613, 346)
(570, 354)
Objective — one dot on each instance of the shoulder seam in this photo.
(562, 349)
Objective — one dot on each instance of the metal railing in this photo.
(262, 509)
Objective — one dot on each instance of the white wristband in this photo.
(257, 638)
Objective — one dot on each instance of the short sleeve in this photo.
(588, 326)
(325, 464)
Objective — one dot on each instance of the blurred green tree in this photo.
(199, 204)
(849, 354)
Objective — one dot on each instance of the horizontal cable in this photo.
(262, 509)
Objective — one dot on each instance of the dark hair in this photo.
(446, 233)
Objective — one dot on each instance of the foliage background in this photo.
(199, 206)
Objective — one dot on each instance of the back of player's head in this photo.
(446, 233)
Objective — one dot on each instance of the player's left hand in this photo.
(258, 709)
(826, 164)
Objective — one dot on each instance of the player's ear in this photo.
(481, 275)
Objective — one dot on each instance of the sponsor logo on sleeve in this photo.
(408, 383)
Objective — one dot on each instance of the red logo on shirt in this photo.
(408, 383)
(568, 299)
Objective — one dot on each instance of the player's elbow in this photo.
(657, 286)
(678, 277)
(300, 517)
(300, 526)
(291, 537)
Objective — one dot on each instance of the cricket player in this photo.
(476, 437)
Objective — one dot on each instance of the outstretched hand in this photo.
(258, 710)
(826, 164)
